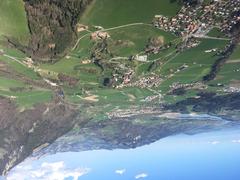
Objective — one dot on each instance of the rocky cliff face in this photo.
(52, 26)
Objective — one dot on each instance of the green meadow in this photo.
(24, 95)
(216, 32)
(13, 22)
(109, 13)
(198, 63)
(230, 71)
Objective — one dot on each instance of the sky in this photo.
(205, 156)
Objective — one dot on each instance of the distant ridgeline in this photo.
(52, 26)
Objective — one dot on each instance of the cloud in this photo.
(47, 171)
(120, 171)
(142, 175)
(236, 141)
(214, 142)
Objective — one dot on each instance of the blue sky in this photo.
(205, 156)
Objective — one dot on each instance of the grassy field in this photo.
(215, 32)
(230, 72)
(6, 84)
(134, 42)
(24, 95)
(195, 56)
(13, 22)
(19, 68)
(109, 13)
(197, 60)
(63, 66)
(136, 38)
(11, 51)
(236, 54)
(27, 99)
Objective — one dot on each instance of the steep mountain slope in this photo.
(52, 26)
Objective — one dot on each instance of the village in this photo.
(198, 21)
(190, 23)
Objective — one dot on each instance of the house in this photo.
(52, 45)
(103, 35)
(99, 35)
(87, 61)
(158, 16)
(142, 58)
(81, 27)
(98, 27)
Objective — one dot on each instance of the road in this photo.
(15, 59)
(75, 46)
(209, 37)
(108, 29)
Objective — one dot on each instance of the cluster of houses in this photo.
(231, 14)
(202, 18)
(180, 24)
(98, 35)
(148, 82)
(127, 77)
(121, 80)
(143, 82)
(127, 80)
(224, 14)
